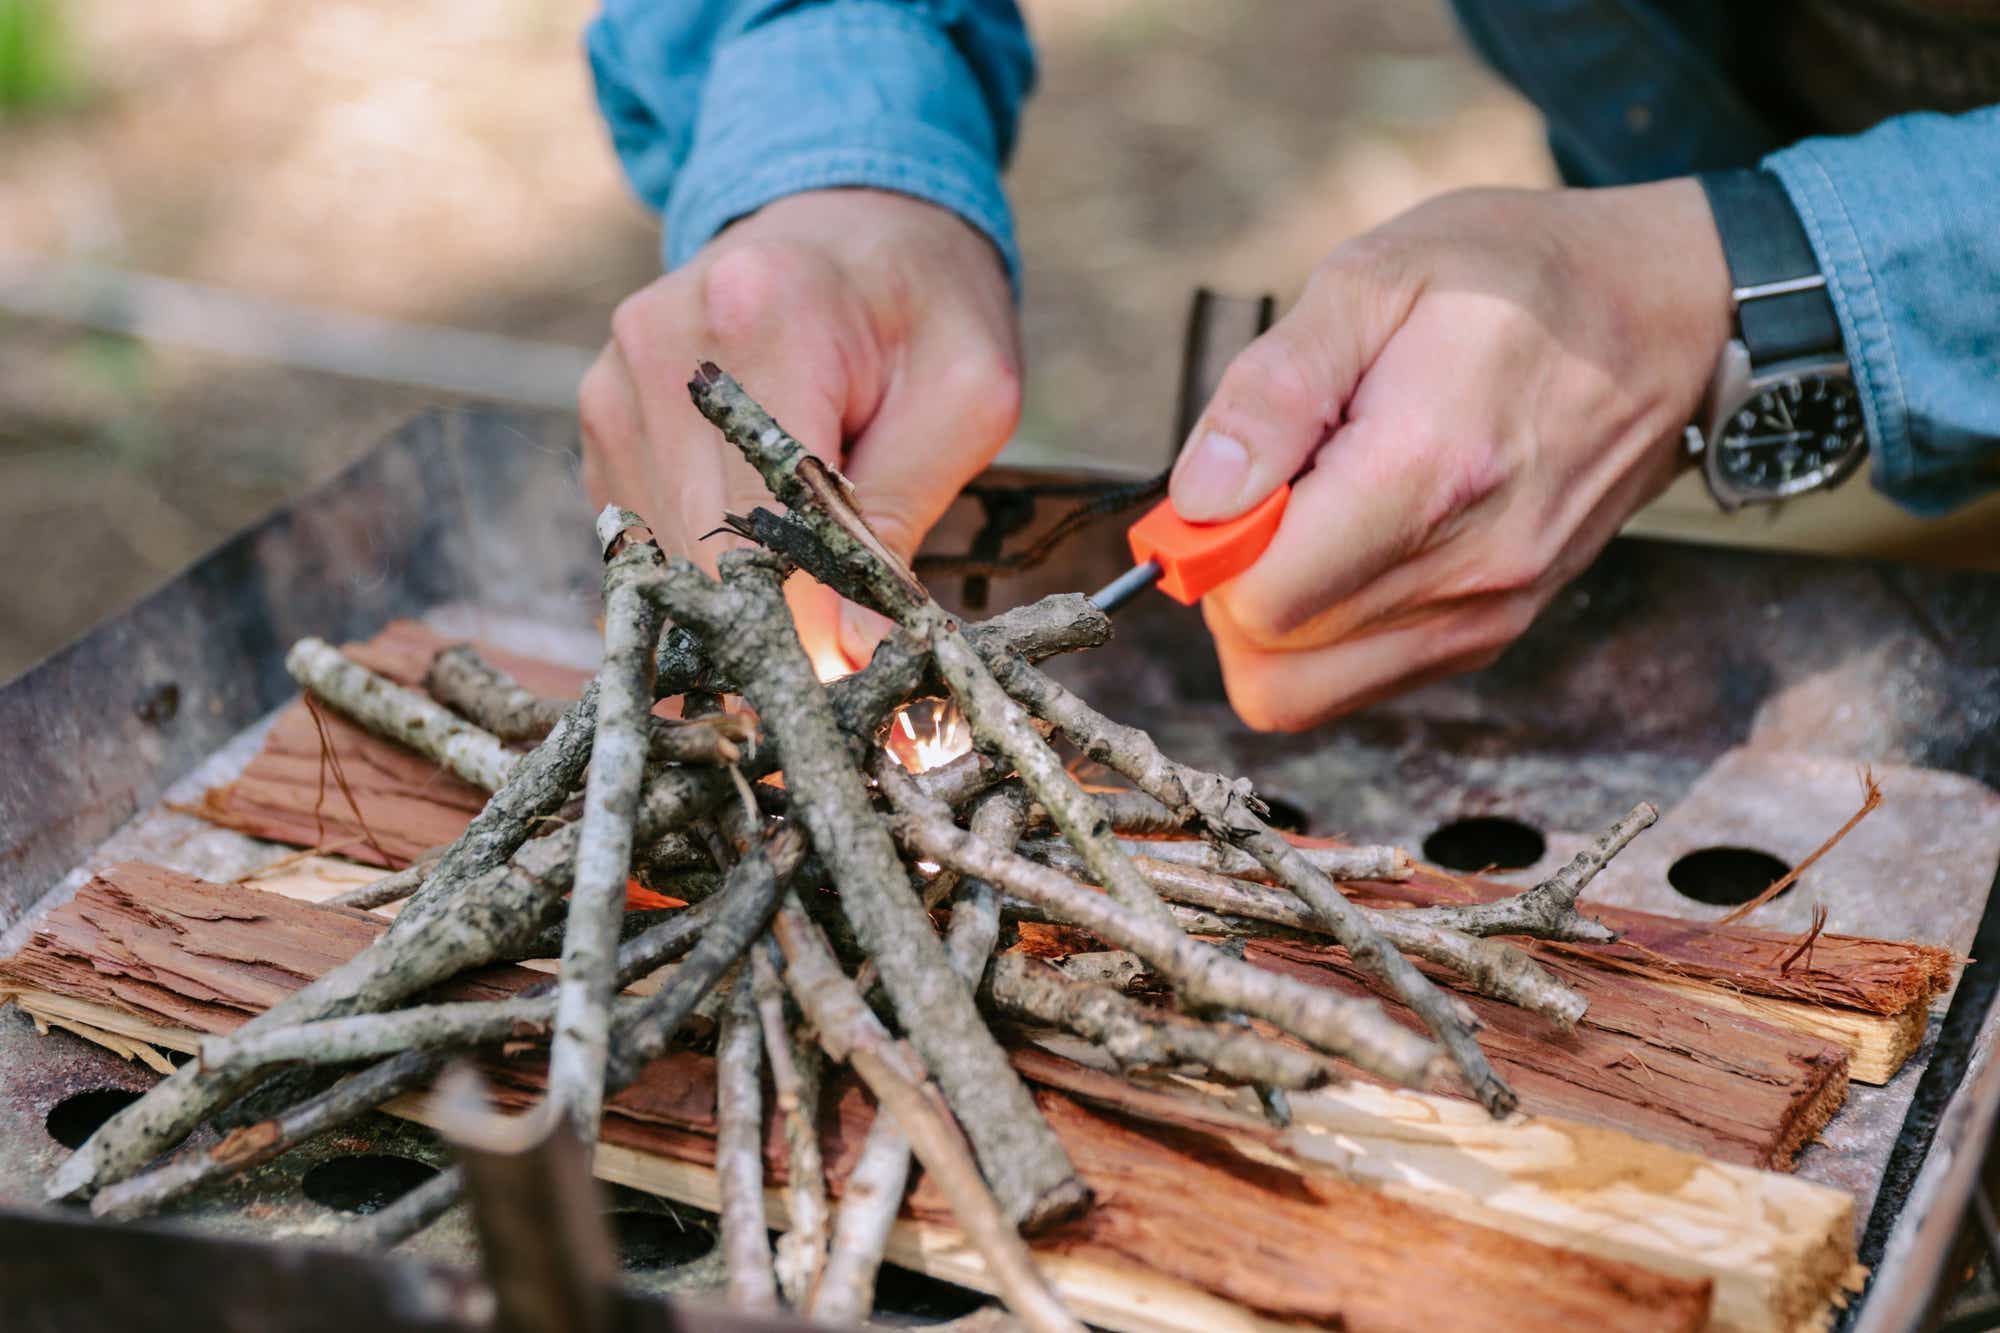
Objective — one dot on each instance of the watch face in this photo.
(1792, 436)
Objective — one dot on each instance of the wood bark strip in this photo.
(1643, 1060)
(1320, 1265)
(1849, 971)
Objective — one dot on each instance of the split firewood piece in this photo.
(632, 621)
(794, 1060)
(1137, 1037)
(1548, 911)
(1491, 967)
(748, 630)
(896, 1076)
(874, 1191)
(1231, 812)
(1355, 1030)
(739, 1152)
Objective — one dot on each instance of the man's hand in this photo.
(1485, 388)
(876, 327)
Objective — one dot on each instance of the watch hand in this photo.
(1786, 413)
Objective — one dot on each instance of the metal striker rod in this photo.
(1125, 587)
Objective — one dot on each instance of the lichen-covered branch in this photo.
(1354, 1029)
(1548, 911)
(388, 709)
(749, 632)
(874, 1190)
(610, 808)
(334, 1041)
(461, 679)
(391, 888)
(1137, 1037)
(1491, 967)
(1231, 812)
(251, 1145)
(801, 1251)
(850, 1032)
(1343, 863)
(739, 1152)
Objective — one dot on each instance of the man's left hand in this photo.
(1486, 388)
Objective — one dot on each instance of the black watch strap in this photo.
(1783, 310)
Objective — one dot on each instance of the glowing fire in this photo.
(928, 733)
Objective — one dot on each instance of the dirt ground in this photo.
(441, 161)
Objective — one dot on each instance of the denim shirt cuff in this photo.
(895, 107)
(1812, 175)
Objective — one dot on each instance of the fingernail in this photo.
(860, 630)
(1208, 482)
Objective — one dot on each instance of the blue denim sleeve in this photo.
(1906, 222)
(718, 107)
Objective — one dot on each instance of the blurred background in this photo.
(299, 170)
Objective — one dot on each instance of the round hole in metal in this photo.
(1286, 816)
(76, 1117)
(905, 1298)
(1485, 842)
(364, 1182)
(1726, 876)
(650, 1240)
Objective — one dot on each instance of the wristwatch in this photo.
(1781, 416)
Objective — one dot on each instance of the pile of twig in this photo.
(807, 896)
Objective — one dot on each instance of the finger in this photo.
(1367, 506)
(1284, 394)
(773, 320)
(945, 415)
(1291, 691)
(614, 439)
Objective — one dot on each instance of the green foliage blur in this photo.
(35, 67)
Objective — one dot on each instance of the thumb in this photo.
(1280, 398)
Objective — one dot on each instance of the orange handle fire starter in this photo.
(1190, 560)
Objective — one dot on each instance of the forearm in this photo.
(718, 108)
(1905, 221)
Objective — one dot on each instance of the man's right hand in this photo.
(877, 328)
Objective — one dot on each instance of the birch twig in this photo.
(1491, 967)
(388, 709)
